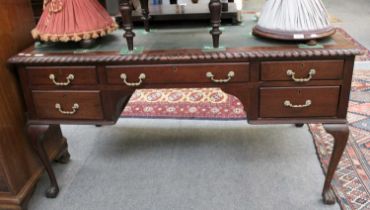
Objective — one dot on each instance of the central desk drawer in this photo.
(67, 105)
(201, 73)
(299, 101)
(62, 76)
(302, 70)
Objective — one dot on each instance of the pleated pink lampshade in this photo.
(294, 20)
(73, 20)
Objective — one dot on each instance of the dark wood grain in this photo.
(83, 75)
(89, 102)
(260, 82)
(20, 168)
(286, 35)
(36, 135)
(277, 70)
(346, 87)
(215, 10)
(126, 12)
(323, 104)
(145, 14)
(340, 133)
(3, 182)
(186, 56)
(178, 73)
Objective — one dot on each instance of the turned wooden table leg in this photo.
(36, 135)
(145, 12)
(215, 10)
(126, 14)
(340, 132)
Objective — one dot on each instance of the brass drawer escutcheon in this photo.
(75, 107)
(69, 79)
(230, 75)
(291, 73)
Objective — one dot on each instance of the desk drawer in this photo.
(83, 105)
(299, 101)
(62, 76)
(201, 73)
(306, 70)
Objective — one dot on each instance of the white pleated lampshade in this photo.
(294, 20)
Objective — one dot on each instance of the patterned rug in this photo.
(351, 182)
(194, 103)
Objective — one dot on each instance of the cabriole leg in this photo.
(36, 135)
(340, 132)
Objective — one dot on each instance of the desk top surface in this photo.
(181, 42)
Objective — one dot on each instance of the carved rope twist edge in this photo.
(186, 56)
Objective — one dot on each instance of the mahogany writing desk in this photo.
(277, 82)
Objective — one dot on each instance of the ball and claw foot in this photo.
(328, 197)
(52, 192)
(299, 125)
(64, 158)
